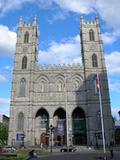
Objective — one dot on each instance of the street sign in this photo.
(20, 137)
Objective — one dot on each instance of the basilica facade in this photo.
(65, 97)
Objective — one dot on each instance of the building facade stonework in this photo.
(44, 96)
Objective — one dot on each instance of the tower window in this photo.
(24, 62)
(91, 35)
(26, 37)
(22, 87)
(20, 126)
(94, 60)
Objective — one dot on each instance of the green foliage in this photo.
(22, 155)
(3, 134)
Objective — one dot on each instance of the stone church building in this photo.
(63, 97)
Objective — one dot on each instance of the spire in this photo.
(20, 21)
(97, 19)
(81, 20)
(35, 21)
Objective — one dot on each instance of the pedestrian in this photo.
(111, 150)
(32, 155)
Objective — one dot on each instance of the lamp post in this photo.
(51, 128)
(23, 136)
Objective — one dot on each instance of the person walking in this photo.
(32, 155)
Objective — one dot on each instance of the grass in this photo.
(21, 155)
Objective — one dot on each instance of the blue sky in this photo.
(59, 41)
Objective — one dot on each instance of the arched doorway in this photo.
(41, 126)
(60, 127)
(79, 127)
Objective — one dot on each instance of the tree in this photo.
(3, 134)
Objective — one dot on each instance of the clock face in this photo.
(93, 47)
(25, 49)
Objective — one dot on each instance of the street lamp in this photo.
(51, 128)
(23, 136)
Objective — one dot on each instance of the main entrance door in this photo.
(60, 127)
(43, 139)
(79, 127)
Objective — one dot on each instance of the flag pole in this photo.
(66, 114)
(101, 113)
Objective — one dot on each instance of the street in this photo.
(79, 156)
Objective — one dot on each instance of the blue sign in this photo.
(60, 127)
(20, 136)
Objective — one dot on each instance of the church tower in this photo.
(94, 64)
(25, 61)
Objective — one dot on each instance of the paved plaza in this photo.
(80, 156)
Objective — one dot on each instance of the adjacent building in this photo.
(4, 119)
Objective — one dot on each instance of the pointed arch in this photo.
(24, 62)
(79, 126)
(26, 37)
(60, 85)
(20, 126)
(22, 87)
(60, 82)
(94, 60)
(76, 82)
(43, 117)
(60, 112)
(91, 35)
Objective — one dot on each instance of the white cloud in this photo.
(115, 112)
(63, 52)
(109, 38)
(4, 106)
(78, 6)
(109, 11)
(115, 85)
(6, 5)
(2, 78)
(113, 62)
(7, 40)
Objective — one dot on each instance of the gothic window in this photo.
(98, 120)
(42, 86)
(22, 87)
(20, 126)
(59, 86)
(91, 35)
(24, 62)
(26, 37)
(94, 60)
(76, 84)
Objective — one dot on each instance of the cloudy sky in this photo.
(59, 40)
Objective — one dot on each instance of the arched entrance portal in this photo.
(41, 126)
(60, 127)
(79, 127)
